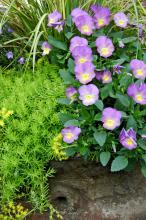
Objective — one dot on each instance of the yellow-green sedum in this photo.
(26, 135)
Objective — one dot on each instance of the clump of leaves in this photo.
(26, 136)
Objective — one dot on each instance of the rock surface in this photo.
(84, 190)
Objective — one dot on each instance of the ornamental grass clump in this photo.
(105, 84)
(34, 22)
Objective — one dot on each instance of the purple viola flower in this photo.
(85, 24)
(71, 93)
(46, 48)
(99, 75)
(128, 139)
(59, 25)
(77, 41)
(138, 68)
(21, 60)
(10, 55)
(54, 18)
(89, 94)
(82, 54)
(83, 21)
(104, 46)
(77, 12)
(138, 93)
(70, 134)
(143, 136)
(85, 72)
(120, 19)
(1, 31)
(10, 30)
(95, 8)
(111, 118)
(101, 17)
(117, 69)
(105, 76)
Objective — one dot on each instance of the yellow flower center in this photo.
(46, 50)
(110, 123)
(129, 141)
(69, 135)
(88, 97)
(85, 28)
(73, 97)
(100, 22)
(139, 97)
(85, 76)
(51, 20)
(105, 51)
(82, 60)
(139, 72)
(121, 22)
(105, 78)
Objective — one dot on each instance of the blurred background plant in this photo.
(28, 19)
(26, 135)
(7, 35)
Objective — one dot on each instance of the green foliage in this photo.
(29, 21)
(27, 135)
(18, 52)
(105, 157)
(119, 163)
(58, 44)
(143, 169)
(125, 100)
(66, 76)
(99, 105)
(100, 137)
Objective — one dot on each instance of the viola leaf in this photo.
(100, 137)
(105, 157)
(119, 163)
